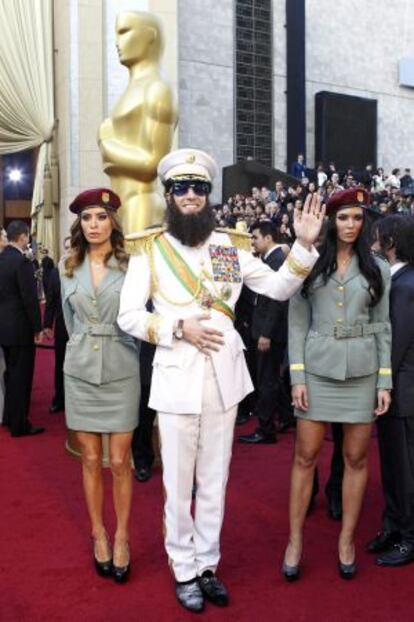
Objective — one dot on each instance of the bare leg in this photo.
(91, 452)
(120, 460)
(309, 439)
(355, 449)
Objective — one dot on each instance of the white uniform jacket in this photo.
(178, 367)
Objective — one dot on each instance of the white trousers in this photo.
(196, 449)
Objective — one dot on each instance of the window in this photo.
(254, 85)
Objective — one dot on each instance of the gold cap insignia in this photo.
(105, 197)
(360, 197)
(190, 158)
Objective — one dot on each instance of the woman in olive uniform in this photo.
(339, 351)
(101, 367)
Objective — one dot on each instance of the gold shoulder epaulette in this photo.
(137, 243)
(239, 239)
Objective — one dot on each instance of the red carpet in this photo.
(46, 571)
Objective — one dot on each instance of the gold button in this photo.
(341, 288)
(95, 346)
(93, 318)
(339, 320)
(94, 301)
(340, 304)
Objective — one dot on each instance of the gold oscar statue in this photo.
(140, 130)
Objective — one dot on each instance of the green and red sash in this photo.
(186, 276)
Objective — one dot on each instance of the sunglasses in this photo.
(180, 188)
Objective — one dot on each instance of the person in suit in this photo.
(3, 244)
(194, 275)
(395, 541)
(269, 333)
(298, 168)
(53, 317)
(243, 324)
(339, 353)
(20, 329)
(101, 368)
(142, 441)
(47, 264)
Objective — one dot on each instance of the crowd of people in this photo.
(340, 247)
(389, 194)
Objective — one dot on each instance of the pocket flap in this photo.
(69, 287)
(168, 357)
(236, 344)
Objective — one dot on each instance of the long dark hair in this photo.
(326, 264)
(79, 245)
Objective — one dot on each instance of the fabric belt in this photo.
(347, 332)
(98, 330)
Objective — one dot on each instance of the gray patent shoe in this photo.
(291, 573)
(190, 596)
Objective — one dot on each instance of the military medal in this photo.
(206, 299)
(225, 292)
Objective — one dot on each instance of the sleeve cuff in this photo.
(384, 380)
(301, 261)
(297, 373)
(159, 331)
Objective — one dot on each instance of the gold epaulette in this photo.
(239, 239)
(137, 243)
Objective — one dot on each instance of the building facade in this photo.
(216, 53)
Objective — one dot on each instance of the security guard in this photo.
(194, 275)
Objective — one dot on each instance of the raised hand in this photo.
(308, 221)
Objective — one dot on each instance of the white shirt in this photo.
(397, 266)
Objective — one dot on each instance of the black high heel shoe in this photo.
(121, 573)
(347, 571)
(291, 573)
(103, 569)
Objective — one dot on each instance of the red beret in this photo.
(352, 197)
(96, 197)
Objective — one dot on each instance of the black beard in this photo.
(190, 229)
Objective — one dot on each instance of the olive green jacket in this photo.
(334, 332)
(98, 351)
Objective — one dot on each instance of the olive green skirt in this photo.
(106, 408)
(344, 401)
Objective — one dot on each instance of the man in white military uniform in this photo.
(194, 275)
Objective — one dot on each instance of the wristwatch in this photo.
(178, 330)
